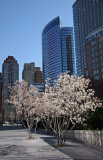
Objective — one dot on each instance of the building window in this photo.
(97, 1)
(101, 51)
(101, 57)
(94, 48)
(93, 43)
(101, 69)
(86, 74)
(100, 45)
(100, 39)
(95, 71)
(94, 60)
(101, 63)
(95, 65)
(94, 54)
(96, 77)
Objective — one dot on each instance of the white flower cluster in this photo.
(60, 104)
(69, 96)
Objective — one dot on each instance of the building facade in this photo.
(57, 49)
(94, 52)
(67, 50)
(28, 73)
(10, 74)
(0, 96)
(31, 74)
(38, 75)
(87, 17)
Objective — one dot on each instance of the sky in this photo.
(21, 26)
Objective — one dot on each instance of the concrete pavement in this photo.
(14, 145)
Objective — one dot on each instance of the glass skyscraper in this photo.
(57, 49)
(87, 17)
(67, 50)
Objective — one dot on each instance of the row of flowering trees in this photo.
(60, 107)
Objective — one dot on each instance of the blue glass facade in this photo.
(51, 50)
(53, 36)
(67, 49)
(87, 17)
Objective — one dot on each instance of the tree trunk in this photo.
(29, 129)
(30, 134)
(59, 139)
(35, 127)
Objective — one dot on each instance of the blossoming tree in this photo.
(60, 105)
(65, 102)
(23, 98)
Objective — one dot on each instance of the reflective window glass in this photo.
(101, 57)
(101, 51)
(93, 43)
(94, 54)
(94, 48)
(95, 66)
(96, 77)
(95, 72)
(94, 59)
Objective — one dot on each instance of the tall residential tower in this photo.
(0, 96)
(10, 73)
(88, 30)
(87, 17)
(32, 74)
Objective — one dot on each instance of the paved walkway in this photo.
(14, 145)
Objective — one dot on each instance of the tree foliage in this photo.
(65, 102)
(23, 98)
(94, 119)
(60, 107)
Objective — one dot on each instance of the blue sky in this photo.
(21, 26)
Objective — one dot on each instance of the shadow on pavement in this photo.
(15, 127)
(48, 138)
(76, 149)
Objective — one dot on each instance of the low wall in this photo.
(92, 137)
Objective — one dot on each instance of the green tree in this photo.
(94, 119)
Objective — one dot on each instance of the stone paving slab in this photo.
(14, 145)
(79, 151)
